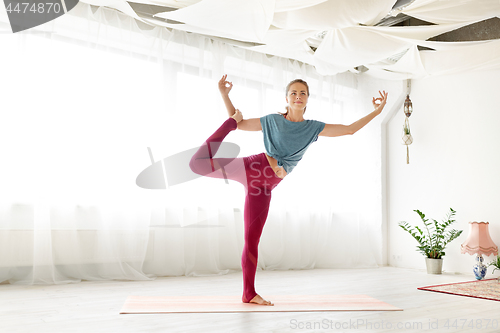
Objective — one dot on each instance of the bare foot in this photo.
(259, 300)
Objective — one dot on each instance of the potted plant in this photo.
(406, 130)
(495, 264)
(433, 239)
(407, 138)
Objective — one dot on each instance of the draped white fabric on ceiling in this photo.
(100, 90)
(444, 12)
(290, 28)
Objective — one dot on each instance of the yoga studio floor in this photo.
(95, 306)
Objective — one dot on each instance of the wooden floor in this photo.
(95, 306)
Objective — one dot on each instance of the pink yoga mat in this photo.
(302, 303)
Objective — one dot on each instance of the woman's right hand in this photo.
(225, 86)
(238, 116)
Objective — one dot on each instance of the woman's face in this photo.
(297, 96)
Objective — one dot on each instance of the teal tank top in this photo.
(286, 140)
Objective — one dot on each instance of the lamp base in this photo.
(479, 268)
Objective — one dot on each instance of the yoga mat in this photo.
(288, 303)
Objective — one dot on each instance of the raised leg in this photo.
(204, 163)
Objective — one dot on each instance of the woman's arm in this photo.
(250, 124)
(243, 124)
(224, 88)
(247, 124)
(332, 130)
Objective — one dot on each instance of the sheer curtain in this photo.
(86, 95)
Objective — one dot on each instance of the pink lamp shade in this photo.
(479, 240)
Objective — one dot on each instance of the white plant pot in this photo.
(407, 139)
(434, 266)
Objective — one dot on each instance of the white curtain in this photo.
(85, 95)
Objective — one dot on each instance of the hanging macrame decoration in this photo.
(407, 138)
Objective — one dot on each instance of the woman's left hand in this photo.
(379, 103)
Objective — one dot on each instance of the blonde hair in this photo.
(288, 89)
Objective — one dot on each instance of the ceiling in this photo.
(384, 38)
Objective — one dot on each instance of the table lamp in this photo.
(479, 242)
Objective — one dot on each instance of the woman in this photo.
(286, 138)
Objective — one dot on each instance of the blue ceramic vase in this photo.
(479, 268)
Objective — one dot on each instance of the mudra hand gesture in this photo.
(379, 103)
(225, 86)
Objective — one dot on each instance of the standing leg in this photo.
(256, 210)
(261, 180)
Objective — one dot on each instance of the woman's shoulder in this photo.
(276, 115)
(273, 116)
(314, 121)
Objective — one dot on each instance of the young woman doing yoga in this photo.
(286, 138)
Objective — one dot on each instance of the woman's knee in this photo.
(200, 166)
(194, 165)
(198, 163)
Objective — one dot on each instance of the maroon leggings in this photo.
(258, 178)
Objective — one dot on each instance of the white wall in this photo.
(454, 162)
